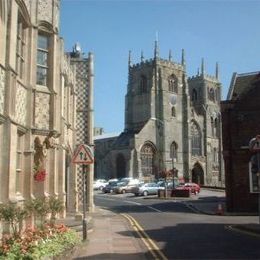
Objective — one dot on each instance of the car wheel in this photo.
(101, 188)
(136, 194)
(145, 193)
(123, 191)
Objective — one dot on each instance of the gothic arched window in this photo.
(173, 112)
(143, 84)
(195, 139)
(215, 155)
(194, 96)
(148, 159)
(173, 83)
(212, 94)
(173, 152)
(212, 126)
(216, 126)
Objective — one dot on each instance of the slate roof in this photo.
(241, 83)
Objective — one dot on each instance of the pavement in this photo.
(111, 235)
(111, 238)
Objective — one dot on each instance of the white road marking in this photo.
(108, 199)
(133, 202)
(157, 210)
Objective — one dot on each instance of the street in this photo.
(182, 234)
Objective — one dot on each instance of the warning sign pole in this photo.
(84, 220)
(84, 156)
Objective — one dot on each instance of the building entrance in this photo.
(120, 166)
(198, 174)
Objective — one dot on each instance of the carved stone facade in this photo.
(42, 110)
(2, 89)
(45, 10)
(84, 67)
(20, 104)
(171, 122)
(37, 128)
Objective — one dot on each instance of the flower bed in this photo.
(37, 243)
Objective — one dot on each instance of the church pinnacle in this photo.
(183, 62)
(129, 59)
(156, 47)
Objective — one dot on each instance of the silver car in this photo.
(145, 189)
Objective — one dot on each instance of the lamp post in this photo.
(173, 151)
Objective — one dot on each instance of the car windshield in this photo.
(121, 183)
(113, 183)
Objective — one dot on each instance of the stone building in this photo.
(171, 122)
(37, 104)
(240, 121)
(84, 113)
(103, 145)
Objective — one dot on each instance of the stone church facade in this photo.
(172, 121)
(37, 105)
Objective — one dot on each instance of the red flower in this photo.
(40, 175)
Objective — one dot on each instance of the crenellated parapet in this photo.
(203, 77)
(159, 62)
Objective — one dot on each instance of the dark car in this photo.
(110, 186)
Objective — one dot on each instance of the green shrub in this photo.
(37, 244)
(13, 215)
(56, 206)
(38, 207)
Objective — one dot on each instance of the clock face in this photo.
(173, 99)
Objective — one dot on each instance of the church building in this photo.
(172, 123)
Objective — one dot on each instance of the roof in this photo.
(241, 83)
(106, 136)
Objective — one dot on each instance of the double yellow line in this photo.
(149, 243)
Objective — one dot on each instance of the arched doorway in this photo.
(148, 155)
(120, 166)
(198, 174)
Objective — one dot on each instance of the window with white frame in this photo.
(42, 59)
(20, 46)
(19, 162)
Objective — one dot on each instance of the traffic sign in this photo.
(254, 144)
(83, 155)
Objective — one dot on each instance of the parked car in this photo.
(109, 188)
(193, 187)
(99, 184)
(145, 189)
(126, 186)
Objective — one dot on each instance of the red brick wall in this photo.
(240, 123)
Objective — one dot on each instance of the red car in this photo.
(193, 187)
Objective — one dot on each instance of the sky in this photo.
(226, 32)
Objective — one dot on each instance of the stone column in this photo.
(90, 174)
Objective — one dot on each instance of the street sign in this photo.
(254, 144)
(83, 155)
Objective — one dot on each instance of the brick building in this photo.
(241, 123)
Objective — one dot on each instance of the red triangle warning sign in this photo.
(83, 155)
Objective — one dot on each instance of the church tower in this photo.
(205, 93)
(172, 122)
(156, 105)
